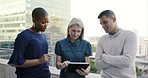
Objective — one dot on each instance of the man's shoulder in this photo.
(129, 32)
(105, 35)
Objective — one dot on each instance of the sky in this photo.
(130, 14)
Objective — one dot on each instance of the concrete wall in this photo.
(7, 71)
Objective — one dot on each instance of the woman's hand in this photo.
(65, 64)
(82, 72)
(44, 58)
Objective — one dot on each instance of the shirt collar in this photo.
(116, 34)
(75, 43)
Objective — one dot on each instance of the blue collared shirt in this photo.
(73, 52)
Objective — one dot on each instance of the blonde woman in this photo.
(73, 48)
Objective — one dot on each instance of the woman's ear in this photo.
(33, 20)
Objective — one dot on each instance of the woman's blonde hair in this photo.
(78, 22)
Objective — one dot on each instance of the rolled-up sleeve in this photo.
(17, 57)
(58, 49)
(88, 51)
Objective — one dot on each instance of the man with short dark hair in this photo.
(116, 51)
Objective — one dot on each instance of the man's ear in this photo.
(114, 19)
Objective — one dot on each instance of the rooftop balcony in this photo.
(7, 71)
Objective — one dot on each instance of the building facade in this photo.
(15, 16)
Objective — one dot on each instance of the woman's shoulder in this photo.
(62, 40)
(84, 41)
(24, 33)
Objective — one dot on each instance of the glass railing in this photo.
(141, 66)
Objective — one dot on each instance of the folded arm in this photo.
(100, 64)
(128, 56)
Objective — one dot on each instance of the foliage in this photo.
(93, 67)
(93, 48)
(138, 71)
